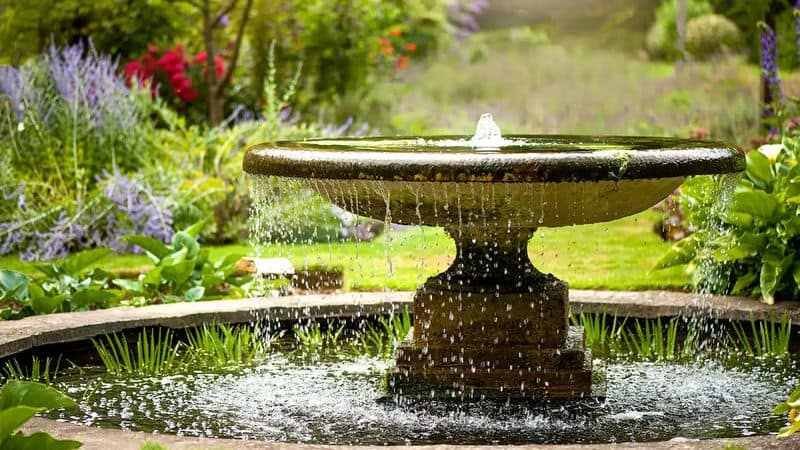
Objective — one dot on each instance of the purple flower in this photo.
(769, 61)
(89, 83)
(225, 20)
(463, 14)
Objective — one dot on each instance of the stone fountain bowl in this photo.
(528, 181)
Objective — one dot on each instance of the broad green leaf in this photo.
(152, 279)
(790, 430)
(681, 253)
(13, 417)
(741, 219)
(174, 258)
(128, 285)
(194, 294)
(84, 299)
(76, 263)
(28, 393)
(155, 248)
(43, 303)
(15, 283)
(179, 272)
(182, 240)
(773, 266)
(38, 441)
(195, 229)
(758, 204)
(228, 261)
(743, 283)
(759, 169)
(781, 408)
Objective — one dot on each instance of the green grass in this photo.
(615, 255)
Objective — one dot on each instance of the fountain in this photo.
(492, 325)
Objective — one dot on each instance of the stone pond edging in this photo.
(21, 335)
(31, 332)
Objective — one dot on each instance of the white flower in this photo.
(20, 127)
(771, 151)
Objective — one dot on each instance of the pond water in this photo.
(341, 400)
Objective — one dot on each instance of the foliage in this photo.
(749, 247)
(649, 339)
(383, 340)
(28, 27)
(68, 285)
(21, 400)
(662, 36)
(222, 346)
(766, 337)
(150, 445)
(183, 270)
(40, 370)
(313, 339)
(155, 353)
(344, 45)
(710, 35)
(69, 132)
(791, 407)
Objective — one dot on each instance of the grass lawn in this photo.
(615, 255)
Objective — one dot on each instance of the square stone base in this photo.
(502, 372)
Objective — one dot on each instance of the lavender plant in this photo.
(463, 14)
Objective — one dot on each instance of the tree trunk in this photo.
(680, 24)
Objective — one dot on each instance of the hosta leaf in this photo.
(758, 204)
(155, 248)
(179, 272)
(759, 169)
(38, 441)
(14, 283)
(36, 395)
(183, 240)
(76, 263)
(13, 417)
(86, 298)
(195, 230)
(194, 294)
(681, 252)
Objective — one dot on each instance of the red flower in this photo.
(402, 62)
(133, 68)
(152, 48)
(411, 46)
(200, 57)
(396, 31)
(388, 51)
(219, 65)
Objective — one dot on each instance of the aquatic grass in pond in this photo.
(384, 339)
(223, 346)
(602, 336)
(311, 338)
(652, 340)
(156, 353)
(42, 370)
(765, 337)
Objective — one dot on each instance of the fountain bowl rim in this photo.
(535, 158)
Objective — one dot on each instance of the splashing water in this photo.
(487, 133)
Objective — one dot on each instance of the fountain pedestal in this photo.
(492, 325)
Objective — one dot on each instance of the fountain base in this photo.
(520, 372)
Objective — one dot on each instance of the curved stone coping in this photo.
(94, 438)
(526, 159)
(21, 335)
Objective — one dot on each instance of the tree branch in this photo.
(225, 10)
(237, 46)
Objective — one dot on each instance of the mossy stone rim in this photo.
(533, 158)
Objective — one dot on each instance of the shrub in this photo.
(21, 400)
(711, 34)
(749, 247)
(662, 35)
